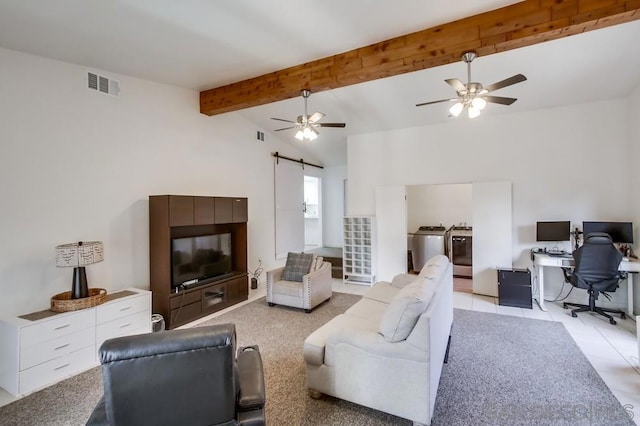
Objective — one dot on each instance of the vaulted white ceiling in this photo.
(201, 44)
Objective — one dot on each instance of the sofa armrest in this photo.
(251, 393)
(402, 280)
(273, 277)
(317, 286)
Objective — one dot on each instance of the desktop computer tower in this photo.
(514, 288)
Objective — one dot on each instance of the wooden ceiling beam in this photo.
(521, 24)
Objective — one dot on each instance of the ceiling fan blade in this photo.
(315, 117)
(285, 128)
(518, 78)
(499, 100)
(331, 124)
(456, 84)
(282, 119)
(437, 102)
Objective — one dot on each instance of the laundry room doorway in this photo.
(439, 221)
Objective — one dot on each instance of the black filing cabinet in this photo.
(514, 288)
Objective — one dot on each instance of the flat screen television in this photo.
(553, 231)
(196, 259)
(620, 232)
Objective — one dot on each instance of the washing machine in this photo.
(426, 242)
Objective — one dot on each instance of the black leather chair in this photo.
(596, 269)
(181, 377)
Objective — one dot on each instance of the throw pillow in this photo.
(298, 265)
(404, 310)
(402, 280)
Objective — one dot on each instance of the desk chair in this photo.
(596, 269)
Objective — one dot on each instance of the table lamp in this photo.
(79, 255)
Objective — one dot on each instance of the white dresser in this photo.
(44, 347)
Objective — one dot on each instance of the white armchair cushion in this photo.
(405, 308)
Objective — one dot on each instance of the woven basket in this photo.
(64, 303)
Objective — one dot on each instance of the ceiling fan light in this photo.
(307, 133)
(456, 109)
(299, 134)
(479, 103)
(473, 112)
(312, 136)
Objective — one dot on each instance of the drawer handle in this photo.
(60, 347)
(62, 326)
(61, 367)
(125, 325)
(125, 309)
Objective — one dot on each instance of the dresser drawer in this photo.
(57, 369)
(122, 308)
(67, 324)
(126, 326)
(51, 349)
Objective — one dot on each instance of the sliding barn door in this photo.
(289, 204)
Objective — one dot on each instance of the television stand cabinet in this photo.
(181, 216)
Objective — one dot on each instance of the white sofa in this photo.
(386, 352)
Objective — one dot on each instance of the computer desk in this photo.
(543, 260)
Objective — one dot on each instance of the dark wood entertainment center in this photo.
(180, 216)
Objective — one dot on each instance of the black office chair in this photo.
(596, 269)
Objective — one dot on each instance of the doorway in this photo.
(444, 205)
(312, 212)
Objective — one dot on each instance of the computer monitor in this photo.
(620, 232)
(553, 231)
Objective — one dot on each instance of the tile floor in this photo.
(611, 349)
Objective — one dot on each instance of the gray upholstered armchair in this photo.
(181, 377)
(305, 285)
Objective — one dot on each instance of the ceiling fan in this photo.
(473, 96)
(306, 124)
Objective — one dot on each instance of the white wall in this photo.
(79, 165)
(431, 205)
(565, 163)
(333, 205)
(634, 177)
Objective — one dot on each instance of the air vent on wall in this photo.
(103, 84)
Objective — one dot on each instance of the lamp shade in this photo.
(79, 254)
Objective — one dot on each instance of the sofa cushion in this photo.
(370, 309)
(298, 265)
(316, 263)
(402, 280)
(382, 291)
(405, 308)
(288, 288)
(434, 267)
